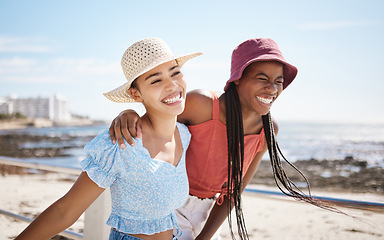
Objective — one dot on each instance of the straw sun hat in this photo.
(141, 57)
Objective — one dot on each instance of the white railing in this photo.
(65, 233)
(95, 216)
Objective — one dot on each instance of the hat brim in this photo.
(121, 94)
(289, 71)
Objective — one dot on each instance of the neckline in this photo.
(139, 143)
(224, 126)
(250, 135)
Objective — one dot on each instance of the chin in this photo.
(178, 111)
(181, 111)
(263, 111)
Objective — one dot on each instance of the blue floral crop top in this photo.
(145, 192)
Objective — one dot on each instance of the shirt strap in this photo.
(216, 106)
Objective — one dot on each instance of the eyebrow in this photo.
(173, 67)
(281, 76)
(265, 75)
(153, 75)
(157, 74)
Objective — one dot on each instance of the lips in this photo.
(265, 100)
(173, 98)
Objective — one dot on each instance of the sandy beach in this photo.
(28, 195)
(267, 217)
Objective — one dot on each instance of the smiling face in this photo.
(161, 89)
(260, 85)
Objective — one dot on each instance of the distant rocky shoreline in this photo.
(341, 175)
(11, 145)
(42, 122)
(346, 175)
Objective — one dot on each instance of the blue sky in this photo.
(74, 48)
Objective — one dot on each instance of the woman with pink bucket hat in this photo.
(230, 134)
(148, 181)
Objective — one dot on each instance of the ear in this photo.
(236, 81)
(135, 94)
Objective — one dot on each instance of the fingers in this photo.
(119, 136)
(112, 131)
(124, 132)
(138, 128)
(127, 125)
(134, 128)
(115, 133)
(134, 123)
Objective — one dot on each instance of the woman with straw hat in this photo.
(147, 181)
(230, 134)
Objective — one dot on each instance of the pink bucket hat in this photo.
(257, 50)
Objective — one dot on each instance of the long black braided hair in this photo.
(235, 140)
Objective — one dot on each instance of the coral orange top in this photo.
(207, 155)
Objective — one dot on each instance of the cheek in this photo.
(245, 93)
(150, 93)
(182, 80)
(247, 86)
(182, 83)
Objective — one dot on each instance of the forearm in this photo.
(215, 219)
(65, 211)
(49, 223)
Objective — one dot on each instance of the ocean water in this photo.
(74, 138)
(303, 141)
(298, 141)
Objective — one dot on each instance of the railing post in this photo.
(96, 216)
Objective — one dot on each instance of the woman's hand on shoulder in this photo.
(198, 107)
(128, 125)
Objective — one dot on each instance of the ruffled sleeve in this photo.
(184, 135)
(102, 163)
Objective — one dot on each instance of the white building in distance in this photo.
(53, 108)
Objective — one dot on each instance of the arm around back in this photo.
(198, 108)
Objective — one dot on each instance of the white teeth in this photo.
(265, 100)
(172, 100)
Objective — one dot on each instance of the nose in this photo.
(171, 84)
(272, 87)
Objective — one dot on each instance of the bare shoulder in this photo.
(199, 94)
(198, 107)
